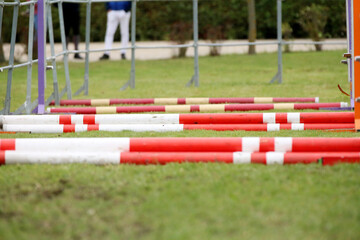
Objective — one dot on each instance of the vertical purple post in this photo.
(41, 57)
(349, 36)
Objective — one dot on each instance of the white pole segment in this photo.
(293, 117)
(241, 157)
(137, 119)
(274, 158)
(100, 158)
(250, 144)
(283, 144)
(73, 144)
(269, 117)
(142, 127)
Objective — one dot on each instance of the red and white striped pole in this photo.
(145, 158)
(193, 118)
(59, 128)
(246, 144)
(175, 101)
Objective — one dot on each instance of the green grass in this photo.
(187, 201)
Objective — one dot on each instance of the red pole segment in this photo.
(223, 118)
(195, 108)
(279, 100)
(145, 158)
(132, 101)
(332, 160)
(73, 102)
(315, 117)
(138, 109)
(7, 144)
(85, 110)
(300, 106)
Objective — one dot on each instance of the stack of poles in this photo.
(104, 106)
(178, 122)
(145, 151)
(198, 108)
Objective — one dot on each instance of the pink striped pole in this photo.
(194, 118)
(175, 101)
(250, 144)
(197, 108)
(145, 158)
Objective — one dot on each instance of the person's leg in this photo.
(35, 42)
(35, 26)
(67, 21)
(111, 26)
(76, 30)
(124, 29)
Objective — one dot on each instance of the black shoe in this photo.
(77, 56)
(105, 57)
(123, 57)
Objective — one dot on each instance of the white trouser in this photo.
(114, 18)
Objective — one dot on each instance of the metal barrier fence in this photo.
(45, 22)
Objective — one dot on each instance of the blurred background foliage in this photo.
(222, 19)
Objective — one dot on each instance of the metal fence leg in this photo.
(85, 87)
(66, 55)
(51, 38)
(195, 77)
(131, 82)
(30, 58)
(278, 76)
(87, 39)
(11, 58)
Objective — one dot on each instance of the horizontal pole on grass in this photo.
(175, 101)
(196, 108)
(146, 158)
(193, 118)
(246, 144)
(270, 127)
